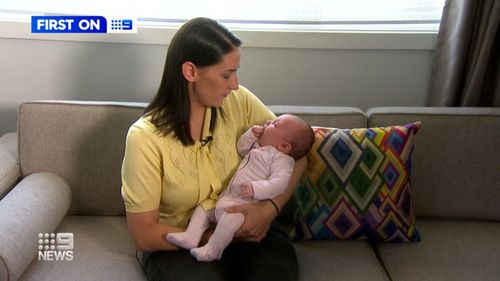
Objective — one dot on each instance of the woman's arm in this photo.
(258, 216)
(148, 233)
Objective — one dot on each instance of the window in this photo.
(376, 15)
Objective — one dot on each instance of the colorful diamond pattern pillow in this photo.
(357, 185)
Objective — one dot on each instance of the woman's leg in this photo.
(274, 258)
(181, 266)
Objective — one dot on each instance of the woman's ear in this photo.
(189, 71)
(285, 147)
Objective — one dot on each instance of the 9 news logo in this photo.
(55, 247)
(125, 24)
(82, 24)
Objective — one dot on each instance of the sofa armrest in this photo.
(36, 205)
(10, 172)
(8, 142)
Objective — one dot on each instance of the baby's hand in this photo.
(246, 191)
(257, 131)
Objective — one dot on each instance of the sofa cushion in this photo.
(357, 185)
(338, 260)
(83, 142)
(326, 116)
(456, 160)
(451, 250)
(103, 250)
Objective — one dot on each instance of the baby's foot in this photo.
(206, 253)
(181, 239)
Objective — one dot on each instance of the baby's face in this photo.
(275, 131)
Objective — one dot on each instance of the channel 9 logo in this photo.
(55, 246)
(126, 24)
(82, 24)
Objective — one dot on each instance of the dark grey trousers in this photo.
(273, 259)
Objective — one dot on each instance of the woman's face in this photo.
(214, 83)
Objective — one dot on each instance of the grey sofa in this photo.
(66, 179)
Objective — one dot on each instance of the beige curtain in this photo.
(465, 71)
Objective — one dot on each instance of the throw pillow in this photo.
(357, 185)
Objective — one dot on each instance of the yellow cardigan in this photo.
(160, 173)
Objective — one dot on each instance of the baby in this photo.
(269, 152)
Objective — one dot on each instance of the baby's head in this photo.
(289, 134)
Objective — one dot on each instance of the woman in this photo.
(182, 153)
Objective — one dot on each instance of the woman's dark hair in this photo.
(203, 42)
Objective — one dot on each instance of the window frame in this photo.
(252, 38)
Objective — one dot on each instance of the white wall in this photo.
(39, 69)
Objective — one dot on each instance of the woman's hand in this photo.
(258, 219)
